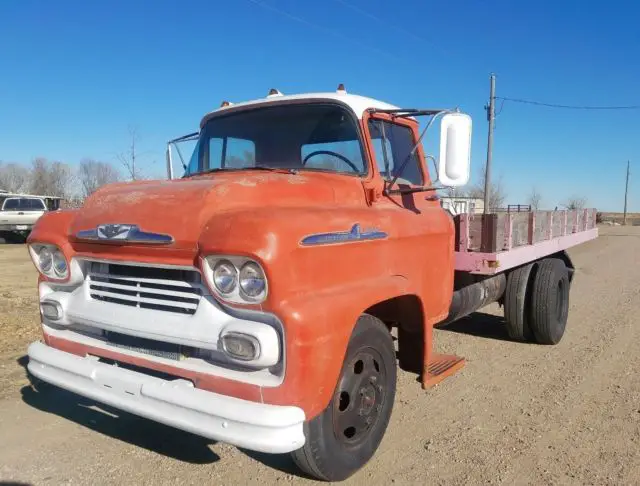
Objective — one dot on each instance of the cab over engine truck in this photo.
(253, 299)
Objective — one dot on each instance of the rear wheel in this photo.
(347, 433)
(517, 303)
(549, 301)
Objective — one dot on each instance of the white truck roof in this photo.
(358, 104)
(7, 195)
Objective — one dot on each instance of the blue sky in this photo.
(75, 75)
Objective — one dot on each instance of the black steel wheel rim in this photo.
(360, 396)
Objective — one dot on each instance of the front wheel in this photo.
(347, 433)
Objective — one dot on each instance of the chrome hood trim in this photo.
(123, 233)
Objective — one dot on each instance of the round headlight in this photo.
(59, 264)
(45, 259)
(252, 280)
(225, 276)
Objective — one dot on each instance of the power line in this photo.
(389, 24)
(570, 107)
(326, 30)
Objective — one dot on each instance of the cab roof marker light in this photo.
(225, 103)
(274, 92)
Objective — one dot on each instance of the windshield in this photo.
(23, 204)
(301, 137)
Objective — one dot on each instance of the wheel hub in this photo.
(368, 400)
(359, 397)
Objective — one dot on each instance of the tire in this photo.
(343, 438)
(517, 303)
(549, 301)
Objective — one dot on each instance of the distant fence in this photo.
(513, 208)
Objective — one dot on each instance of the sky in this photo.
(76, 76)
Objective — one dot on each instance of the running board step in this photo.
(440, 367)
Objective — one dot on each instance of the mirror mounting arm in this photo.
(412, 190)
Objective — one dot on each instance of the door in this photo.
(424, 233)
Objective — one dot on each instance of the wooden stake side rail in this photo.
(492, 243)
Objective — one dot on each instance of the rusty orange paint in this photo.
(318, 292)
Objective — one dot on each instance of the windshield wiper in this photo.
(272, 169)
(250, 167)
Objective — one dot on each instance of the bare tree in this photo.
(575, 202)
(50, 178)
(129, 157)
(534, 199)
(13, 177)
(92, 174)
(497, 194)
(39, 183)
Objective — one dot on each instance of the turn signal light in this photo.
(241, 346)
(51, 310)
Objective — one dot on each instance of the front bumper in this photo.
(251, 425)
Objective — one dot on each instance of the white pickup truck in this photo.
(18, 214)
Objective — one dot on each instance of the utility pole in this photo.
(626, 192)
(491, 115)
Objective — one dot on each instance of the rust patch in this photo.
(222, 190)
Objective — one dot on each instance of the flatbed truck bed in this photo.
(487, 244)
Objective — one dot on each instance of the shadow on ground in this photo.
(281, 462)
(480, 324)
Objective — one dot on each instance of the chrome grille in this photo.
(163, 289)
(145, 346)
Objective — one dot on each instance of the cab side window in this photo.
(396, 142)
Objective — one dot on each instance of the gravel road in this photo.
(516, 414)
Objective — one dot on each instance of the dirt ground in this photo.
(516, 414)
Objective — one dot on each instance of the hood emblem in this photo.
(123, 233)
(354, 234)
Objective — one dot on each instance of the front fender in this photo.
(318, 327)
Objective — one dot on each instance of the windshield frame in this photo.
(201, 147)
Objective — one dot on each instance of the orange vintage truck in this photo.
(253, 300)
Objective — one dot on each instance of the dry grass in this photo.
(633, 219)
(19, 319)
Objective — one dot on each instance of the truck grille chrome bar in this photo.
(145, 287)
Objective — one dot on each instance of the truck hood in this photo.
(181, 208)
